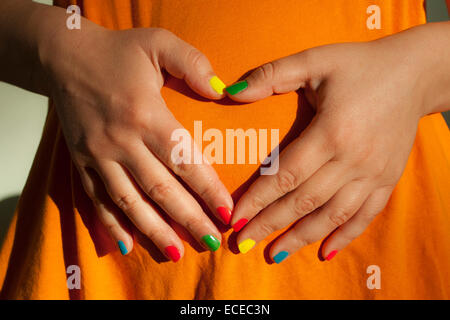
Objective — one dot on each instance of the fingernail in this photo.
(122, 247)
(217, 84)
(280, 256)
(173, 253)
(246, 245)
(331, 255)
(237, 87)
(239, 225)
(225, 214)
(211, 242)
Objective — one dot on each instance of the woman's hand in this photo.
(106, 90)
(340, 172)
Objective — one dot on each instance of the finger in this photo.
(128, 199)
(156, 181)
(353, 228)
(309, 196)
(108, 217)
(183, 61)
(321, 222)
(280, 76)
(175, 148)
(298, 162)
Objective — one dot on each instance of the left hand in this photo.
(340, 172)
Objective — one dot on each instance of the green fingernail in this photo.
(237, 87)
(211, 242)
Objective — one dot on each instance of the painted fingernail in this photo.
(331, 255)
(225, 214)
(211, 242)
(246, 245)
(217, 84)
(173, 253)
(237, 87)
(239, 225)
(122, 247)
(280, 256)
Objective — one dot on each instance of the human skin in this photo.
(340, 172)
(105, 86)
(35, 45)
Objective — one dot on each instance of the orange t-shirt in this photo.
(55, 225)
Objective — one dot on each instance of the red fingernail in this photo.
(225, 214)
(331, 255)
(239, 225)
(173, 253)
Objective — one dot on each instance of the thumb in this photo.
(183, 61)
(279, 76)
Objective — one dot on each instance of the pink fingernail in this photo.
(331, 255)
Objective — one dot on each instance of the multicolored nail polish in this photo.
(280, 256)
(173, 253)
(331, 255)
(225, 214)
(122, 247)
(217, 84)
(211, 242)
(246, 245)
(239, 225)
(237, 87)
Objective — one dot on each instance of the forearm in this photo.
(32, 36)
(21, 24)
(434, 45)
(424, 53)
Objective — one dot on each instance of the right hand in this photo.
(106, 90)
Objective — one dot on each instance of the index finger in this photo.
(304, 156)
(174, 146)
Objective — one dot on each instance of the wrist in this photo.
(60, 48)
(432, 55)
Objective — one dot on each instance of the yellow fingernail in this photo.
(217, 84)
(246, 245)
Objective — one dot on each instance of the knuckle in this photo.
(126, 202)
(195, 58)
(286, 180)
(266, 228)
(267, 70)
(160, 33)
(192, 224)
(87, 147)
(209, 191)
(152, 233)
(257, 203)
(137, 115)
(339, 217)
(349, 236)
(160, 191)
(304, 205)
(300, 240)
(183, 169)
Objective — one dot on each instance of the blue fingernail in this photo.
(123, 249)
(280, 256)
